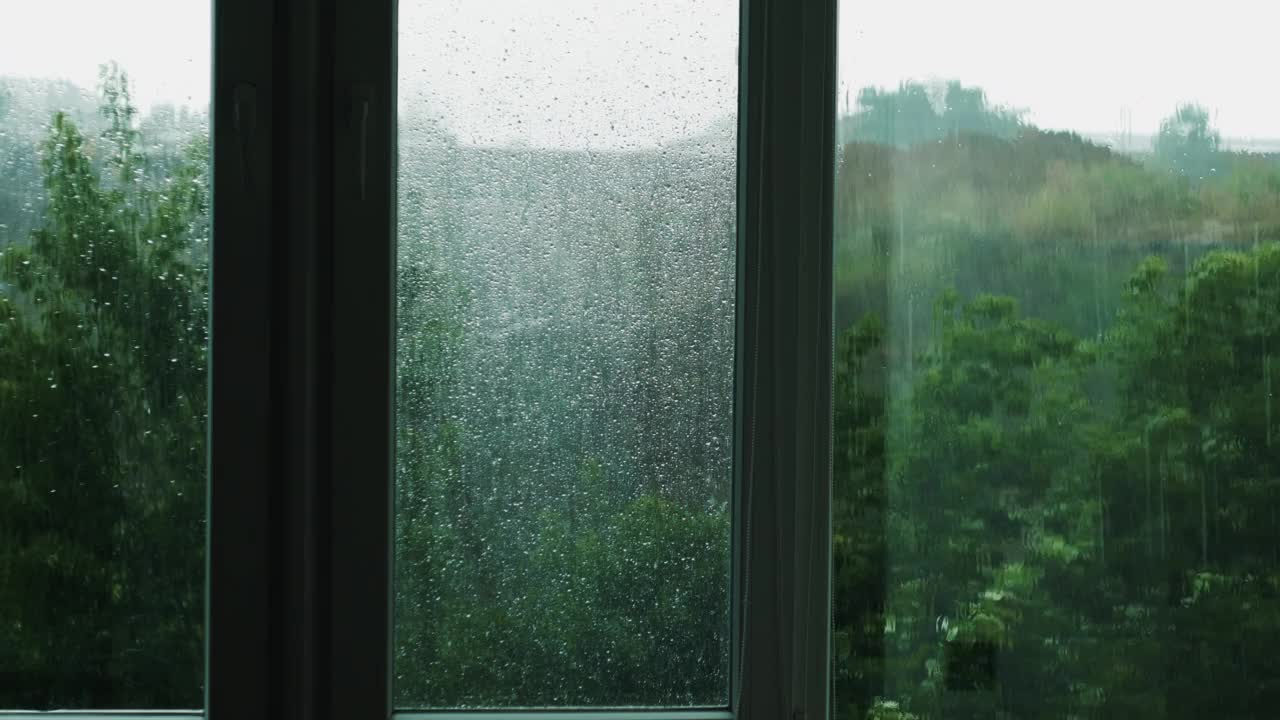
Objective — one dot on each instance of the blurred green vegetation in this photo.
(1055, 427)
(1055, 472)
(103, 349)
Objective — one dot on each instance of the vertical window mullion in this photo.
(363, 253)
(239, 645)
(784, 531)
(304, 238)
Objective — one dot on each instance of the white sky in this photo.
(164, 45)
(613, 73)
(595, 73)
(1079, 64)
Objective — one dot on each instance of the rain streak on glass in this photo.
(565, 352)
(104, 248)
(1057, 303)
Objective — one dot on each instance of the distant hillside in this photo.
(1141, 144)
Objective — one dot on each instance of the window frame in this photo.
(780, 615)
(238, 572)
(298, 620)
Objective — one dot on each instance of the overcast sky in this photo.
(164, 45)
(1080, 64)
(620, 73)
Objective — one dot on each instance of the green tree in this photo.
(102, 404)
(1187, 144)
(858, 543)
(992, 512)
(915, 113)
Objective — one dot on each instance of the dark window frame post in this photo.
(239, 647)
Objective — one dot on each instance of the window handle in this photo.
(361, 108)
(244, 119)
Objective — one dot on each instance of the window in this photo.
(510, 396)
(104, 302)
(520, 394)
(1057, 301)
(565, 353)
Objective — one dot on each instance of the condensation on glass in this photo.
(104, 252)
(1057, 293)
(565, 353)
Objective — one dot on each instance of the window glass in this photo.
(565, 353)
(104, 243)
(1057, 295)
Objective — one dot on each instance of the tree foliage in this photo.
(916, 113)
(1056, 484)
(1069, 492)
(102, 427)
(1187, 144)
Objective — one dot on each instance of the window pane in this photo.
(565, 353)
(1058, 300)
(104, 240)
